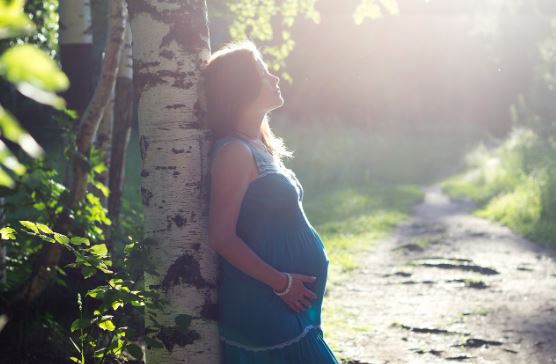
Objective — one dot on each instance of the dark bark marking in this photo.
(176, 106)
(178, 151)
(143, 146)
(171, 336)
(146, 196)
(209, 310)
(168, 54)
(185, 269)
(179, 220)
(144, 173)
(198, 111)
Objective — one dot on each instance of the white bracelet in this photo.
(287, 288)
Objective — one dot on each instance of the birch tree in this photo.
(123, 114)
(76, 51)
(170, 44)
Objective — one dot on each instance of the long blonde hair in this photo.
(230, 69)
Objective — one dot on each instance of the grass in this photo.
(514, 184)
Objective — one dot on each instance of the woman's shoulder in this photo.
(229, 143)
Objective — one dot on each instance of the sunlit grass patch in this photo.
(514, 184)
(350, 220)
(520, 209)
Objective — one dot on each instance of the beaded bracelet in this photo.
(287, 288)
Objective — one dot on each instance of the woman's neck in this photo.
(249, 126)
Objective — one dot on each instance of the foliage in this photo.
(253, 19)
(110, 298)
(514, 184)
(374, 9)
(257, 20)
(110, 295)
(34, 74)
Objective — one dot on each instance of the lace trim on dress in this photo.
(277, 346)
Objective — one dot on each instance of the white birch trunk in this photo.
(76, 51)
(170, 43)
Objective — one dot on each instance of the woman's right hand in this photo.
(298, 296)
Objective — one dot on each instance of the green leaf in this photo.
(45, 229)
(73, 358)
(15, 133)
(79, 324)
(105, 190)
(79, 240)
(34, 74)
(135, 351)
(182, 322)
(5, 179)
(60, 238)
(88, 272)
(7, 233)
(100, 250)
(107, 324)
(102, 267)
(29, 225)
(97, 292)
(13, 21)
(7, 159)
(117, 304)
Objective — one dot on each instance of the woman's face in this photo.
(269, 96)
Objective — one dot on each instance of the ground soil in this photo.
(449, 287)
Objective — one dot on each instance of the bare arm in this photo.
(231, 171)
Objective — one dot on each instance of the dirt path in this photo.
(449, 287)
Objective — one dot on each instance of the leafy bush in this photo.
(514, 184)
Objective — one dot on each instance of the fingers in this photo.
(310, 294)
(299, 305)
(305, 278)
(305, 302)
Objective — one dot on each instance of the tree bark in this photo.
(103, 142)
(170, 43)
(123, 115)
(76, 51)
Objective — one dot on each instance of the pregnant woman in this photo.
(272, 263)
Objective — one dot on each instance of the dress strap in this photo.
(265, 163)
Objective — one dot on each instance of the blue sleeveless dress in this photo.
(255, 325)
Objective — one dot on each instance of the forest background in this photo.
(381, 99)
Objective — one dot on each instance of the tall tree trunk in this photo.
(123, 115)
(103, 138)
(170, 43)
(49, 255)
(103, 142)
(76, 51)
